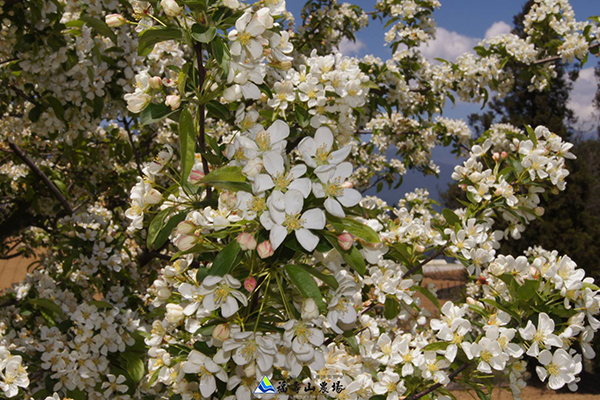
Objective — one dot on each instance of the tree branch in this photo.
(438, 385)
(136, 154)
(57, 193)
(201, 114)
(556, 58)
(421, 264)
(20, 93)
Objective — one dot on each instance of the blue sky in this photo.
(461, 25)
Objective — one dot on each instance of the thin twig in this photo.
(438, 385)
(20, 93)
(556, 58)
(201, 116)
(136, 154)
(9, 60)
(421, 264)
(57, 193)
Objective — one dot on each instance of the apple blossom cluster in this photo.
(330, 87)
(13, 375)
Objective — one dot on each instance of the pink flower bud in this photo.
(155, 82)
(499, 191)
(221, 332)
(504, 155)
(265, 249)
(246, 241)
(471, 301)
(250, 284)
(346, 241)
(195, 176)
(185, 242)
(173, 101)
(496, 156)
(115, 20)
(347, 185)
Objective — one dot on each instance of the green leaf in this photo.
(327, 279)
(450, 216)
(305, 284)
(221, 53)
(218, 110)
(427, 293)
(57, 107)
(360, 230)
(150, 37)
(499, 306)
(230, 178)
(135, 366)
(226, 259)
(76, 394)
(351, 340)
(187, 143)
(528, 289)
(35, 113)
(154, 112)
(391, 308)
(435, 346)
(100, 26)
(203, 34)
(167, 228)
(48, 305)
(100, 304)
(155, 226)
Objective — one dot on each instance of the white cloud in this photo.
(497, 28)
(350, 48)
(448, 45)
(582, 96)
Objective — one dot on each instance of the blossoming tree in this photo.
(191, 172)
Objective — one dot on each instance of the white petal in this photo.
(340, 155)
(350, 197)
(334, 208)
(308, 148)
(266, 221)
(277, 236)
(250, 91)
(343, 171)
(323, 136)
(273, 163)
(318, 191)
(307, 239)
(314, 219)
(207, 385)
(278, 131)
(294, 200)
(276, 200)
(297, 171)
(262, 183)
(302, 185)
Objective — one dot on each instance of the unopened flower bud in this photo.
(229, 199)
(153, 196)
(115, 20)
(310, 310)
(539, 211)
(155, 82)
(419, 248)
(347, 185)
(504, 155)
(246, 241)
(346, 241)
(499, 191)
(250, 284)
(173, 101)
(463, 187)
(496, 156)
(554, 190)
(174, 313)
(196, 175)
(185, 242)
(265, 249)
(252, 168)
(185, 227)
(233, 4)
(221, 332)
(170, 7)
(471, 301)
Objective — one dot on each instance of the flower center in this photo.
(282, 181)
(553, 369)
(221, 294)
(333, 188)
(293, 222)
(245, 38)
(302, 333)
(322, 155)
(263, 141)
(486, 356)
(257, 204)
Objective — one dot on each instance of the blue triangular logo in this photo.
(265, 387)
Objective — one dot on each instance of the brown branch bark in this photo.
(20, 93)
(57, 193)
(201, 114)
